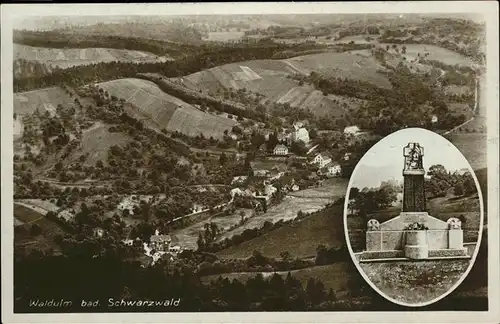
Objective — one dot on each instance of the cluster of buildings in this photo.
(326, 166)
(286, 138)
(159, 246)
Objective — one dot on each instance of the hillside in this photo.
(26, 238)
(68, 57)
(44, 100)
(164, 111)
(339, 283)
(300, 239)
(272, 78)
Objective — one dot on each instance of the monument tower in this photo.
(413, 234)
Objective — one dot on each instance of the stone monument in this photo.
(413, 234)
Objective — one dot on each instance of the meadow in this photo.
(43, 100)
(436, 53)
(300, 238)
(224, 36)
(96, 141)
(188, 236)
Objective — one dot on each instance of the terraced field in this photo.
(68, 57)
(164, 110)
(24, 219)
(271, 78)
(44, 100)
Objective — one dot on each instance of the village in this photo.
(275, 172)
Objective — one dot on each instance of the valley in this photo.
(223, 149)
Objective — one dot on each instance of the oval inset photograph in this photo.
(413, 217)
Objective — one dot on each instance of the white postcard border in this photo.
(489, 10)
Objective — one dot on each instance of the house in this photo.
(275, 174)
(280, 149)
(300, 133)
(98, 232)
(159, 242)
(128, 242)
(68, 215)
(347, 156)
(239, 180)
(265, 193)
(434, 119)
(260, 173)
(321, 160)
(331, 170)
(176, 249)
(351, 130)
(295, 187)
(196, 208)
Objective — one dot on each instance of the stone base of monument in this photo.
(395, 240)
(417, 252)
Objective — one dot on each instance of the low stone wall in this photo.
(447, 253)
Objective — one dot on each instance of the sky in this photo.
(385, 161)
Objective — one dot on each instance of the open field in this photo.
(307, 98)
(187, 236)
(96, 142)
(307, 201)
(436, 53)
(69, 57)
(300, 239)
(415, 282)
(224, 36)
(334, 276)
(44, 100)
(349, 65)
(40, 203)
(166, 111)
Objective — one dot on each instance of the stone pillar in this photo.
(455, 239)
(413, 191)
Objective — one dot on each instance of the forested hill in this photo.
(203, 58)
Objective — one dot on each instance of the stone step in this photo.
(447, 253)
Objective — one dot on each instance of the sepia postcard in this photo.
(287, 162)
